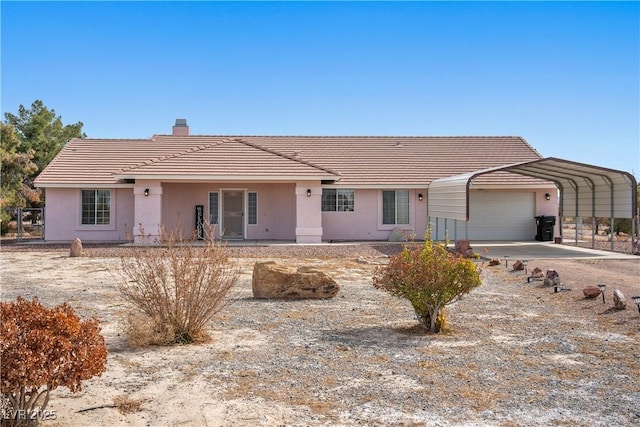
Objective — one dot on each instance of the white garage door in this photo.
(501, 216)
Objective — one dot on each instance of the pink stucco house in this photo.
(306, 189)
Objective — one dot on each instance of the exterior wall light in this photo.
(420, 196)
(602, 287)
(146, 192)
(308, 192)
(547, 196)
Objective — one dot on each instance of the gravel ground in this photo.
(515, 354)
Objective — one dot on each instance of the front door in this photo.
(233, 214)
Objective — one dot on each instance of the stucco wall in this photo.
(276, 207)
(63, 216)
(365, 222)
(276, 213)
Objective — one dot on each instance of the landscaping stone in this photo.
(396, 236)
(619, 301)
(463, 248)
(552, 278)
(76, 248)
(536, 272)
(275, 281)
(591, 292)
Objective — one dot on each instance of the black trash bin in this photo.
(544, 228)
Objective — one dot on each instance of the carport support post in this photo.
(445, 229)
(612, 233)
(455, 229)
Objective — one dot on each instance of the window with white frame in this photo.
(252, 208)
(213, 207)
(96, 207)
(338, 200)
(395, 207)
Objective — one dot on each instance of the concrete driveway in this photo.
(542, 250)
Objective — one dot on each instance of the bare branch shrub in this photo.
(430, 277)
(127, 405)
(179, 285)
(41, 349)
(142, 330)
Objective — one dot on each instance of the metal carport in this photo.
(585, 190)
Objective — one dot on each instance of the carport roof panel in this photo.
(586, 189)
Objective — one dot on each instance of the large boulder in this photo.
(272, 280)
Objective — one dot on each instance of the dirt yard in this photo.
(516, 354)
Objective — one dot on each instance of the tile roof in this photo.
(354, 160)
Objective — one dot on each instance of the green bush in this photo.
(430, 277)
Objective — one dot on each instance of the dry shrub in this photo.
(40, 349)
(430, 277)
(179, 285)
(142, 330)
(127, 405)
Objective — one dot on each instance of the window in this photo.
(338, 200)
(252, 200)
(96, 207)
(395, 207)
(213, 208)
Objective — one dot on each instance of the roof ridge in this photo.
(286, 156)
(343, 136)
(112, 139)
(171, 156)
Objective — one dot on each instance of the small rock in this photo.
(552, 278)
(463, 248)
(76, 248)
(591, 292)
(494, 261)
(619, 303)
(518, 265)
(396, 236)
(536, 272)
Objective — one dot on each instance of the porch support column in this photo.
(147, 213)
(308, 212)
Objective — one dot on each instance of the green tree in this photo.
(15, 167)
(40, 136)
(430, 277)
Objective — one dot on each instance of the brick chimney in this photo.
(180, 128)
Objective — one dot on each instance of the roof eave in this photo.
(214, 178)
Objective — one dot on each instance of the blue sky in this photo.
(565, 76)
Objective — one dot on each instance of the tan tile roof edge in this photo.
(286, 156)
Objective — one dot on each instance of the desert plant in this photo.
(178, 285)
(41, 349)
(430, 277)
